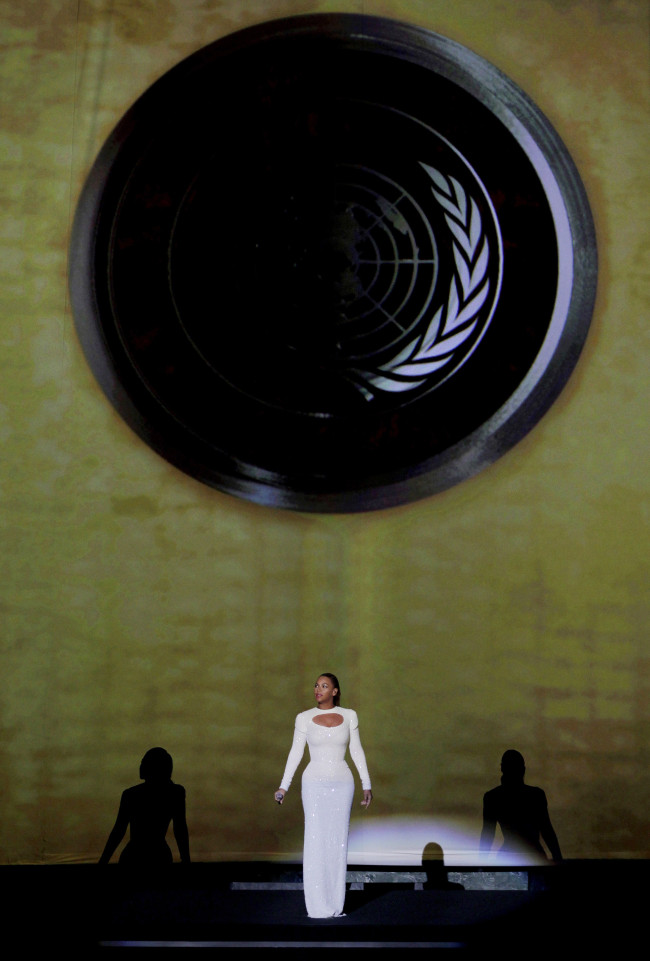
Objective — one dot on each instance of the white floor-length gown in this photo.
(327, 790)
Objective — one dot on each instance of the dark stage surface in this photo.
(87, 909)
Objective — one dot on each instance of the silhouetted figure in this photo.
(148, 808)
(520, 811)
(433, 862)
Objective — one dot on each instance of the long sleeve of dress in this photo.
(295, 754)
(357, 753)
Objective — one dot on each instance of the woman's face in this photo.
(324, 692)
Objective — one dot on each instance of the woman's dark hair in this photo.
(156, 765)
(335, 683)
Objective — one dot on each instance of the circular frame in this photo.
(238, 369)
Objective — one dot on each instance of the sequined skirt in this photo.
(327, 801)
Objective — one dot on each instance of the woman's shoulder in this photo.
(304, 717)
(349, 714)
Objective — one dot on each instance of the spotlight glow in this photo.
(401, 841)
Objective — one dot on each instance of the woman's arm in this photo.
(489, 827)
(294, 759)
(118, 832)
(549, 836)
(180, 827)
(358, 756)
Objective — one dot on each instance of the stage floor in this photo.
(90, 909)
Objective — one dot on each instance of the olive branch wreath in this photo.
(455, 320)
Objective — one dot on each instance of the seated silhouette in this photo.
(148, 809)
(433, 862)
(520, 811)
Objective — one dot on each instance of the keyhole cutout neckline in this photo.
(328, 720)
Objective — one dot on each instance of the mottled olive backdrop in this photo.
(141, 608)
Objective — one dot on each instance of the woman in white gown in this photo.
(327, 790)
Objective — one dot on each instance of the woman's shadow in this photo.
(148, 810)
(521, 811)
(433, 863)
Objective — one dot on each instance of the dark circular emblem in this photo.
(333, 263)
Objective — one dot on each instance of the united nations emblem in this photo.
(333, 263)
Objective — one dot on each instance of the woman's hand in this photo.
(279, 795)
(367, 798)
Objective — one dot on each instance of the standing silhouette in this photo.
(520, 811)
(148, 808)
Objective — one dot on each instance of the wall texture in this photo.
(139, 607)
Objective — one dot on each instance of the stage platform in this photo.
(87, 909)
